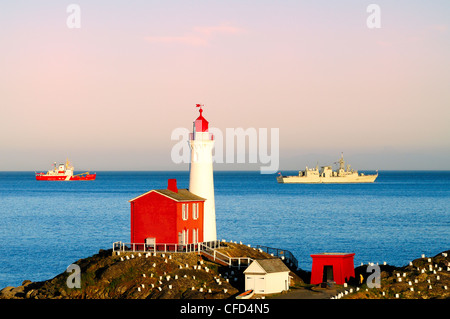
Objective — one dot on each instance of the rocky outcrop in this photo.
(189, 276)
(141, 276)
(422, 278)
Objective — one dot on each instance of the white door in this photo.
(255, 282)
(150, 243)
(260, 284)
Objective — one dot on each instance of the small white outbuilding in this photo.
(267, 276)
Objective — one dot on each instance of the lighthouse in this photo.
(201, 181)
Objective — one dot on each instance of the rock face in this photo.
(189, 276)
(141, 276)
(423, 278)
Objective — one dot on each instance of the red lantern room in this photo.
(200, 124)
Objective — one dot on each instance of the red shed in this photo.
(167, 216)
(337, 267)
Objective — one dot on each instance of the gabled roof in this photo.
(183, 195)
(266, 266)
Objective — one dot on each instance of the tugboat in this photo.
(327, 175)
(64, 172)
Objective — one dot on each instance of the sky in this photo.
(108, 93)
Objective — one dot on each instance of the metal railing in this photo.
(204, 136)
(119, 246)
(209, 249)
(283, 254)
(222, 258)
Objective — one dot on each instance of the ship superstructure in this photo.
(326, 175)
(64, 172)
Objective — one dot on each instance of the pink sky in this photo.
(109, 94)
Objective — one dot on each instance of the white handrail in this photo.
(163, 247)
(208, 248)
(226, 259)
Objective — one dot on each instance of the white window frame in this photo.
(195, 211)
(185, 236)
(194, 236)
(185, 211)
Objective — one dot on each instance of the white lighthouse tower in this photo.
(201, 181)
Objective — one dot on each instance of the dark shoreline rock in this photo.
(108, 276)
(396, 282)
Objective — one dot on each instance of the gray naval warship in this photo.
(327, 175)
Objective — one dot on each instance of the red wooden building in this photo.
(337, 267)
(167, 216)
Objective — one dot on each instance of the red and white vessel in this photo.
(64, 172)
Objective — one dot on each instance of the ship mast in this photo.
(341, 162)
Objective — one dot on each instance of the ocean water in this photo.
(46, 226)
